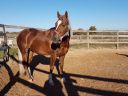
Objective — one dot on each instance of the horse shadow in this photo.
(41, 59)
(53, 90)
(46, 90)
(12, 81)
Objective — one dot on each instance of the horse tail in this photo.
(21, 67)
(69, 33)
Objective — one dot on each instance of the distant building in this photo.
(10, 42)
(1, 40)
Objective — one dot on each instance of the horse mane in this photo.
(53, 28)
(65, 38)
(70, 29)
(33, 29)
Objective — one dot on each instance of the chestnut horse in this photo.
(53, 42)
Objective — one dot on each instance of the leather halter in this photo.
(57, 40)
(66, 34)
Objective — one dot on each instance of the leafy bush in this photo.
(13, 51)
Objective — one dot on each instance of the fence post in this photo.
(117, 41)
(88, 42)
(5, 37)
(80, 38)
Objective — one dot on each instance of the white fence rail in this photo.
(116, 38)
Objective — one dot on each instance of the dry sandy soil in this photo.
(88, 73)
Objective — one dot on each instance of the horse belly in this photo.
(41, 47)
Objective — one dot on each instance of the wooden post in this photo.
(6, 48)
(117, 41)
(88, 42)
(80, 38)
(5, 37)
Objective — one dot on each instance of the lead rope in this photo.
(55, 38)
(55, 42)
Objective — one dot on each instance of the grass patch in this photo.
(77, 46)
(12, 51)
(1, 54)
(97, 46)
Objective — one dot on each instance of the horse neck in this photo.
(50, 32)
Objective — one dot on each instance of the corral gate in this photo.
(4, 48)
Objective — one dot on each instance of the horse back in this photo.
(32, 38)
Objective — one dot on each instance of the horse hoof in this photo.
(51, 82)
(63, 80)
(30, 80)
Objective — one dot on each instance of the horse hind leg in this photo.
(26, 61)
(30, 55)
(21, 67)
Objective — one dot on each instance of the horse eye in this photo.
(63, 25)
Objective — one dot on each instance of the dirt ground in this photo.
(92, 72)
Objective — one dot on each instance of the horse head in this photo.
(62, 26)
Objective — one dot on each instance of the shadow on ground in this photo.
(71, 89)
(122, 54)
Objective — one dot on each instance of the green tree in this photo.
(92, 28)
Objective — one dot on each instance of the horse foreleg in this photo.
(52, 62)
(61, 63)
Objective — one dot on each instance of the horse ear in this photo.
(66, 14)
(58, 14)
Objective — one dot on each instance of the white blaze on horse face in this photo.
(58, 23)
